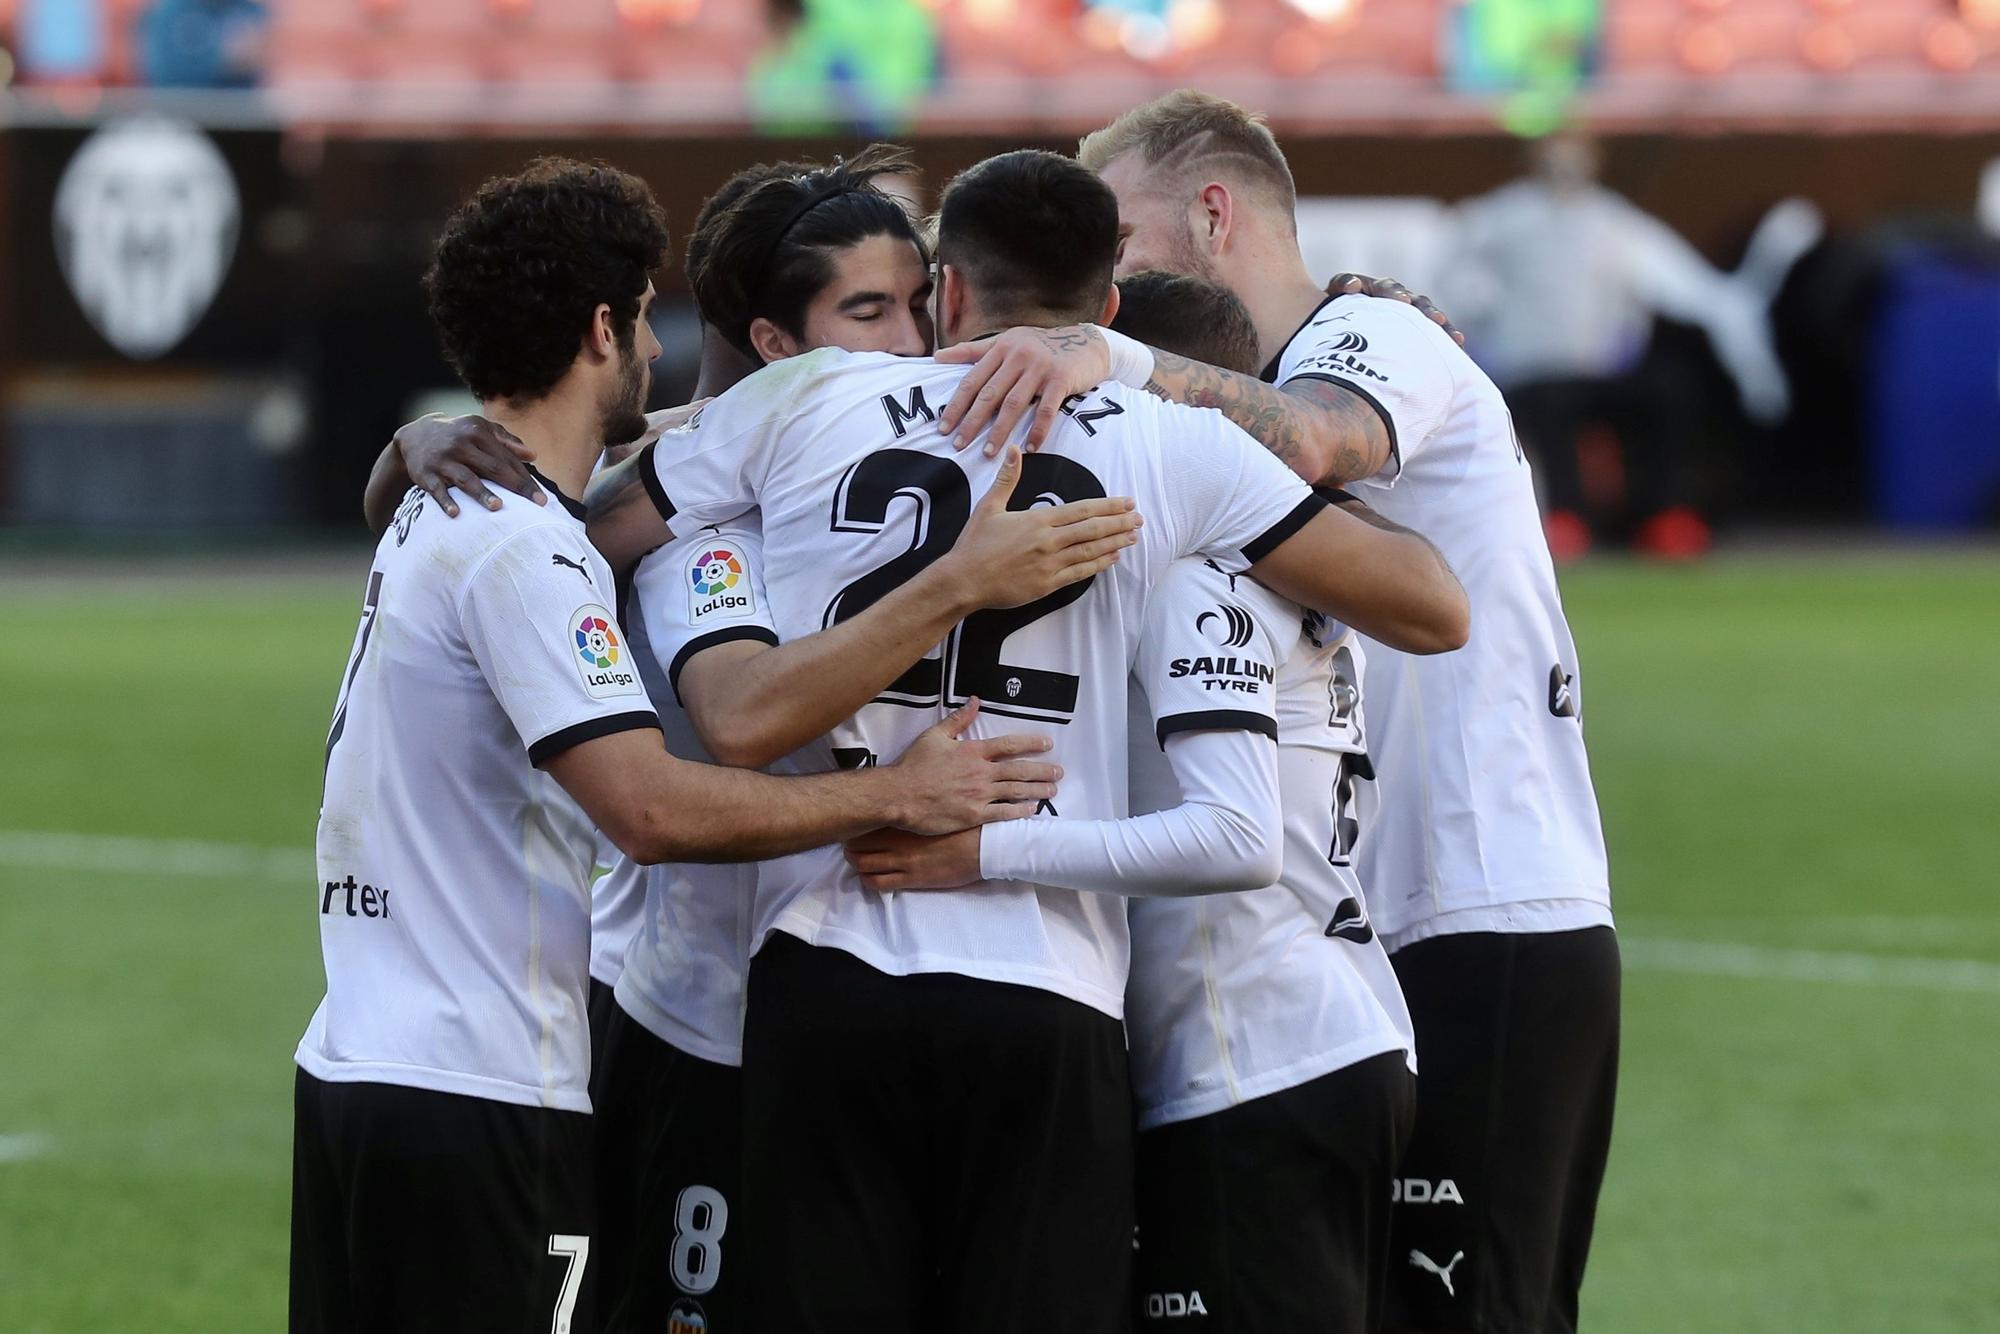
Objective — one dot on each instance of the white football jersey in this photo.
(859, 491)
(1489, 821)
(615, 902)
(1236, 996)
(684, 968)
(454, 893)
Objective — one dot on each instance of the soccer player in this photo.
(1270, 1045)
(935, 1085)
(843, 266)
(1487, 867)
(440, 456)
(1191, 316)
(488, 717)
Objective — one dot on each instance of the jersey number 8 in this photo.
(701, 1216)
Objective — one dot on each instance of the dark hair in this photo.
(522, 265)
(707, 222)
(767, 251)
(1033, 233)
(1189, 317)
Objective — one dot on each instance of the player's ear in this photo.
(1218, 212)
(771, 342)
(602, 338)
(1110, 307)
(950, 304)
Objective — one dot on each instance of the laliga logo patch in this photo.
(596, 641)
(718, 588)
(145, 224)
(599, 653)
(687, 1317)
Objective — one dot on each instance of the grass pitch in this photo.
(1797, 763)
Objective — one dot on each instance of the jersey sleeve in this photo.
(1209, 652)
(549, 647)
(712, 469)
(703, 590)
(1387, 353)
(1226, 496)
(1227, 833)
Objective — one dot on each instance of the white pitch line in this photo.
(21, 1148)
(32, 850)
(1762, 962)
(121, 855)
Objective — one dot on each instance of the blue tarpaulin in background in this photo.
(1933, 393)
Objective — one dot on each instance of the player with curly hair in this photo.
(490, 720)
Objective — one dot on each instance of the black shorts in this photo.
(669, 1159)
(931, 1152)
(1272, 1216)
(601, 1002)
(434, 1212)
(1517, 1065)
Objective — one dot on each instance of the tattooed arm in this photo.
(1324, 432)
(624, 522)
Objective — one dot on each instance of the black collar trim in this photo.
(1269, 375)
(575, 507)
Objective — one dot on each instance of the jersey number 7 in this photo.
(368, 606)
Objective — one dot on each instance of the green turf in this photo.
(1792, 755)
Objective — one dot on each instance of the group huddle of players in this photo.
(1072, 748)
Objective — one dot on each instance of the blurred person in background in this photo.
(203, 43)
(60, 41)
(844, 62)
(1560, 281)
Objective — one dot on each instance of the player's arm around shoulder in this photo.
(626, 520)
(1035, 371)
(705, 448)
(1386, 581)
(1322, 431)
(437, 454)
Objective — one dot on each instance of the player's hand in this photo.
(1349, 284)
(442, 452)
(890, 859)
(667, 419)
(657, 425)
(951, 784)
(1009, 557)
(1020, 370)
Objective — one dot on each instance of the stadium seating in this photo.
(1037, 60)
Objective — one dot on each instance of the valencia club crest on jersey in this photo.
(719, 587)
